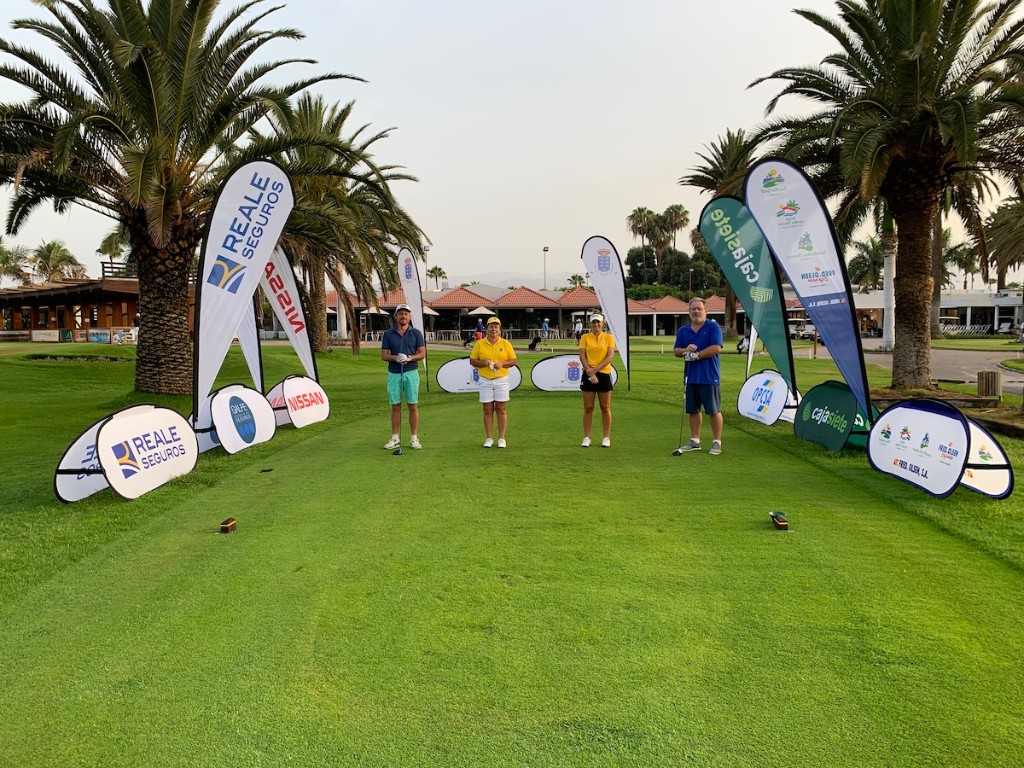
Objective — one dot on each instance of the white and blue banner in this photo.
(459, 377)
(409, 279)
(764, 397)
(799, 231)
(604, 270)
(247, 219)
(143, 447)
(561, 373)
(242, 418)
(988, 471)
(79, 474)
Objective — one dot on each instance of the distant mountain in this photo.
(532, 280)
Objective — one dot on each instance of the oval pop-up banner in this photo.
(763, 397)
(921, 442)
(242, 418)
(143, 447)
(459, 377)
(988, 471)
(78, 472)
(299, 401)
(826, 415)
(561, 373)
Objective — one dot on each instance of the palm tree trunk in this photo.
(911, 359)
(888, 282)
(730, 312)
(937, 272)
(318, 307)
(164, 354)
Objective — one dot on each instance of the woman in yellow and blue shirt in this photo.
(493, 356)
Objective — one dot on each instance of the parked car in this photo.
(808, 332)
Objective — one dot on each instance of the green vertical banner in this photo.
(741, 251)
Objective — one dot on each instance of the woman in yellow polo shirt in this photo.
(494, 355)
(597, 349)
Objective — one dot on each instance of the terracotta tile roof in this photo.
(524, 297)
(582, 298)
(668, 305)
(461, 297)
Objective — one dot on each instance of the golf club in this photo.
(401, 392)
(682, 416)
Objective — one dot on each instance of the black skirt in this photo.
(604, 383)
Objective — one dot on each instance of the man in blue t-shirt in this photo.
(402, 347)
(699, 344)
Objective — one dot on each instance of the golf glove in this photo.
(691, 356)
(402, 358)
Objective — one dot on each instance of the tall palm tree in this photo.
(920, 91)
(437, 274)
(140, 131)
(641, 223)
(577, 281)
(52, 260)
(14, 264)
(865, 266)
(725, 165)
(1005, 230)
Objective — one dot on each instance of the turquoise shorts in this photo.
(411, 385)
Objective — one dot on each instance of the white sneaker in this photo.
(606, 443)
(489, 443)
(585, 443)
(716, 448)
(393, 443)
(501, 442)
(415, 443)
(693, 445)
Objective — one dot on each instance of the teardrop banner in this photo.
(740, 249)
(242, 418)
(796, 224)
(409, 280)
(922, 442)
(561, 373)
(826, 415)
(79, 474)
(604, 269)
(143, 447)
(988, 471)
(460, 378)
(299, 401)
(763, 397)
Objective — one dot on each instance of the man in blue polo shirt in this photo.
(699, 343)
(401, 348)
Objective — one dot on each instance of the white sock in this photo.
(394, 435)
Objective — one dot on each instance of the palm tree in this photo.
(641, 223)
(437, 274)
(865, 267)
(52, 261)
(577, 281)
(921, 91)
(142, 133)
(14, 263)
(725, 165)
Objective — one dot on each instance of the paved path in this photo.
(953, 364)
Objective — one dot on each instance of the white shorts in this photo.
(495, 390)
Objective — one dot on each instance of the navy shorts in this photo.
(707, 395)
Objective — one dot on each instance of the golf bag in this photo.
(534, 343)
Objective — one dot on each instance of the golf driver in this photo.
(682, 416)
(401, 392)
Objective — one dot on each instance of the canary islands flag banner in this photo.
(797, 227)
(247, 219)
(746, 261)
(604, 268)
(409, 279)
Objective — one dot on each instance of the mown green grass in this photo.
(543, 605)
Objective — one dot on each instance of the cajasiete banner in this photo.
(604, 269)
(247, 219)
(459, 377)
(799, 231)
(746, 261)
(409, 279)
(561, 373)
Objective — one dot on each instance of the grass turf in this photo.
(543, 605)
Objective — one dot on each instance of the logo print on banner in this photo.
(984, 454)
(788, 210)
(805, 244)
(604, 260)
(226, 274)
(243, 419)
(763, 395)
(773, 179)
(408, 269)
(905, 434)
(886, 433)
(761, 295)
(573, 371)
(476, 375)
(126, 459)
(948, 452)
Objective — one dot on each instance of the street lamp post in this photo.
(545, 267)
(691, 280)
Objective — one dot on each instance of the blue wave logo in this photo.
(226, 274)
(126, 459)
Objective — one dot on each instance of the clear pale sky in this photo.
(528, 124)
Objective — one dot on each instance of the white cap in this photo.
(597, 316)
